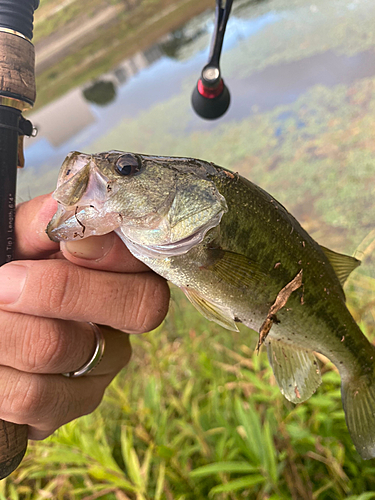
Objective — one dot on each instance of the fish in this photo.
(238, 255)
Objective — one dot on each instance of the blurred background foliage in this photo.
(197, 414)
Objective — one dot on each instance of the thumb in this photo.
(31, 221)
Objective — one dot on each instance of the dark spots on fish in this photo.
(109, 188)
(341, 363)
(68, 171)
(237, 320)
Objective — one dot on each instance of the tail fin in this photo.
(358, 398)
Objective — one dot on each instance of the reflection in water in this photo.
(61, 121)
(180, 39)
(284, 83)
(100, 92)
(156, 74)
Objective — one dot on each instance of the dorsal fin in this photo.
(342, 264)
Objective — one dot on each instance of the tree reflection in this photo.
(101, 92)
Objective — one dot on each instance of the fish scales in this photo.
(265, 228)
(238, 255)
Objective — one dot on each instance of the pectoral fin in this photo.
(296, 370)
(343, 265)
(235, 269)
(209, 310)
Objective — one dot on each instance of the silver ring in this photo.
(95, 358)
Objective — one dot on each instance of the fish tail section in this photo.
(358, 397)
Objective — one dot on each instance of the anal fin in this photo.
(209, 310)
(296, 370)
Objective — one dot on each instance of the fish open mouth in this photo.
(79, 222)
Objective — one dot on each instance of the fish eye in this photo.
(128, 164)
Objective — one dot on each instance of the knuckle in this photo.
(149, 304)
(27, 398)
(37, 402)
(57, 289)
(43, 347)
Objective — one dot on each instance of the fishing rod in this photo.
(17, 93)
(211, 98)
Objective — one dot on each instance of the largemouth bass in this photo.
(238, 255)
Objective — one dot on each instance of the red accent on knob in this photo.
(210, 93)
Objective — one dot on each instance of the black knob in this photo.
(209, 102)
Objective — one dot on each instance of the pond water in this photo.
(301, 122)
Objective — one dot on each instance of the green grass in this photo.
(198, 415)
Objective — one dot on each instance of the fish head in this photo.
(149, 201)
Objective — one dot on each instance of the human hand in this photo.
(47, 297)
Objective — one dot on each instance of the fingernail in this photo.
(12, 280)
(91, 248)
